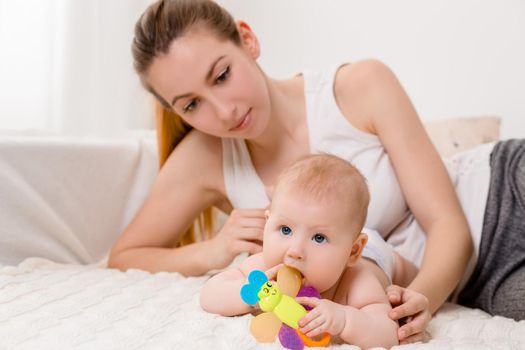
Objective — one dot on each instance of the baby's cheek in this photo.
(272, 253)
(323, 277)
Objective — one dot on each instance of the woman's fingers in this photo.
(249, 234)
(423, 336)
(248, 213)
(246, 224)
(252, 222)
(412, 312)
(406, 302)
(394, 294)
(410, 307)
(414, 326)
(251, 248)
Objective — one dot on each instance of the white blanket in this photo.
(46, 305)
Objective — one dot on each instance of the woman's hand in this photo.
(411, 309)
(242, 232)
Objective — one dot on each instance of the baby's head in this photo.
(318, 210)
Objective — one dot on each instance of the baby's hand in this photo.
(326, 316)
(271, 273)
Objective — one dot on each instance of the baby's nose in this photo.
(295, 251)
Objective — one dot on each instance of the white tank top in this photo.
(330, 132)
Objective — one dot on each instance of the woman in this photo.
(226, 130)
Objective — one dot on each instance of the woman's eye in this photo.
(223, 76)
(190, 106)
(285, 230)
(319, 238)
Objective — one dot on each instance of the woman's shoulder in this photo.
(198, 154)
(364, 73)
(359, 86)
(197, 141)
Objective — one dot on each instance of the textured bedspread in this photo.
(45, 305)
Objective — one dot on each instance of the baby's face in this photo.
(314, 237)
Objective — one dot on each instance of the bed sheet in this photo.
(47, 305)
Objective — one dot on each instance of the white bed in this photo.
(46, 305)
(62, 204)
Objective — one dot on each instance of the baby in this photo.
(314, 224)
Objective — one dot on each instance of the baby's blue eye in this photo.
(319, 238)
(285, 230)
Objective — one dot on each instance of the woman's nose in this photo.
(224, 109)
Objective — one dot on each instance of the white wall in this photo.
(66, 66)
(454, 58)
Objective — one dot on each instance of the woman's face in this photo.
(214, 85)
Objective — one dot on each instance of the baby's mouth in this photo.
(291, 267)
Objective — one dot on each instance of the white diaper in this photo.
(379, 251)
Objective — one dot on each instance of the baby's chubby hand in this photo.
(326, 316)
(271, 273)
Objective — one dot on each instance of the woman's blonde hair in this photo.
(162, 23)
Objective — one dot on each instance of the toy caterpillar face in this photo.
(269, 296)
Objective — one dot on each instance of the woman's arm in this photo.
(370, 90)
(190, 181)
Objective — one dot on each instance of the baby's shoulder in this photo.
(362, 286)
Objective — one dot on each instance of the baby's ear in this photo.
(357, 248)
(267, 213)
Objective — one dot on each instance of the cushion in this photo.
(454, 135)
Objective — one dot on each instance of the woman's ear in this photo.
(357, 248)
(248, 39)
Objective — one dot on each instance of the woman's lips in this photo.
(244, 121)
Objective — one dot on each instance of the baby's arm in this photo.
(221, 293)
(363, 321)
